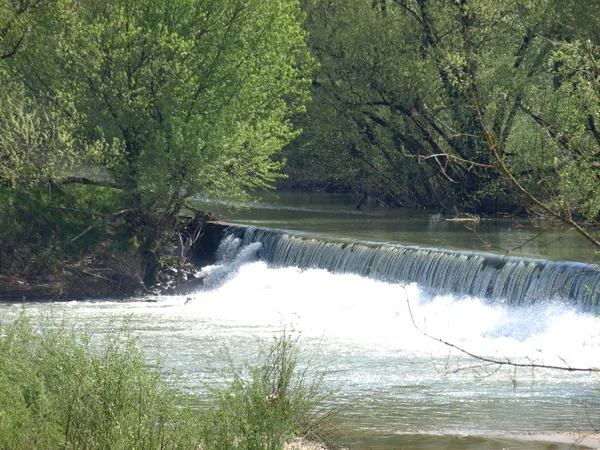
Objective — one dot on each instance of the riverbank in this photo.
(83, 279)
(105, 271)
(556, 441)
(587, 440)
(91, 279)
(540, 441)
(93, 276)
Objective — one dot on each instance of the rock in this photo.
(190, 286)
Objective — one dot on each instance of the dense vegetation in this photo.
(114, 113)
(479, 104)
(67, 389)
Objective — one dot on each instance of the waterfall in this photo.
(499, 279)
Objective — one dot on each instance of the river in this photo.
(400, 388)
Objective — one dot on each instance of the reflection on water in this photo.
(334, 215)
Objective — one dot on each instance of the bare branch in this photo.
(86, 181)
(496, 150)
(104, 219)
(499, 362)
(454, 158)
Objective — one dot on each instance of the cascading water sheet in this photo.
(496, 278)
(395, 381)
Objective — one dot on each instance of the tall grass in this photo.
(271, 401)
(60, 389)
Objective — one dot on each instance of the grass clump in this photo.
(270, 402)
(58, 390)
(61, 389)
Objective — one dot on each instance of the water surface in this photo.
(399, 387)
(335, 215)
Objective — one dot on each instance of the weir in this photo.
(496, 278)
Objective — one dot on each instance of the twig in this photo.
(104, 219)
(498, 362)
(455, 158)
(94, 275)
(494, 147)
(486, 359)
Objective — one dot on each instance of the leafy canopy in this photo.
(176, 97)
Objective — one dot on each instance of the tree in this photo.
(160, 100)
(37, 139)
(419, 86)
(189, 97)
(16, 19)
(393, 80)
(549, 144)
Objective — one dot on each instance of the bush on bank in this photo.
(270, 402)
(59, 389)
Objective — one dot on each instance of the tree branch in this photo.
(15, 48)
(498, 362)
(494, 147)
(455, 158)
(86, 181)
(104, 219)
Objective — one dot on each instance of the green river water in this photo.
(335, 215)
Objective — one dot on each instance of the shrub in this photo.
(269, 403)
(62, 388)
(58, 390)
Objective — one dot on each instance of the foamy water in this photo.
(397, 379)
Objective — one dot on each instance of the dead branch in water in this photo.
(493, 361)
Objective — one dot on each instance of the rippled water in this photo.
(396, 382)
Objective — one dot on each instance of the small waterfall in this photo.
(501, 279)
(231, 254)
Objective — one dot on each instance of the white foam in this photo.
(403, 380)
(369, 312)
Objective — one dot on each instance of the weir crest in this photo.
(496, 278)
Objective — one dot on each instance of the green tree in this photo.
(550, 150)
(158, 99)
(412, 90)
(190, 97)
(37, 139)
(393, 83)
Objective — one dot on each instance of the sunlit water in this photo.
(394, 380)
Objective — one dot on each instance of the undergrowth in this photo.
(66, 389)
(273, 400)
(36, 227)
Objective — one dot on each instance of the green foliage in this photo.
(37, 224)
(60, 390)
(188, 97)
(159, 100)
(554, 144)
(37, 141)
(402, 84)
(268, 403)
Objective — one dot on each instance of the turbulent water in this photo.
(511, 280)
(395, 381)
